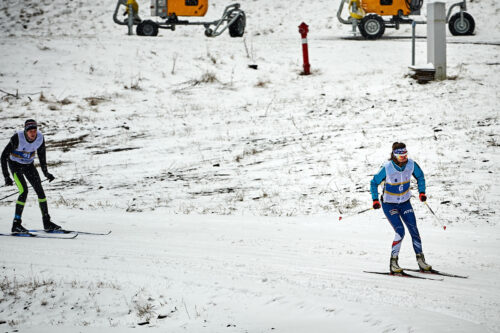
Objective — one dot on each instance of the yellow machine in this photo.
(388, 7)
(371, 17)
(233, 19)
(164, 8)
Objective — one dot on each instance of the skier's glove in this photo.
(376, 204)
(422, 197)
(49, 176)
(8, 181)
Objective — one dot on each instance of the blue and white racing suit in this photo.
(396, 200)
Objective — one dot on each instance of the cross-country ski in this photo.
(64, 231)
(402, 274)
(32, 235)
(435, 272)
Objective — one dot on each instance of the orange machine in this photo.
(164, 8)
(387, 7)
(233, 18)
(372, 17)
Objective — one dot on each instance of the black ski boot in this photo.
(48, 225)
(17, 227)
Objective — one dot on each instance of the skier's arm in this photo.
(9, 148)
(42, 157)
(43, 162)
(419, 175)
(5, 154)
(375, 182)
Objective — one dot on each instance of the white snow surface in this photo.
(223, 186)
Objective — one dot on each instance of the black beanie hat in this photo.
(30, 124)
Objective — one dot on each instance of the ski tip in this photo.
(93, 233)
(435, 272)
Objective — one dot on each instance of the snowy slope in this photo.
(246, 274)
(265, 18)
(157, 138)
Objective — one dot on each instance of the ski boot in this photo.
(48, 225)
(394, 266)
(17, 227)
(422, 264)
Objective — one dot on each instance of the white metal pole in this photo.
(436, 37)
(413, 25)
(130, 20)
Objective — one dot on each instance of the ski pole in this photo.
(357, 213)
(437, 218)
(9, 195)
(17, 192)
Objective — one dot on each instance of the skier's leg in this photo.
(23, 194)
(21, 200)
(392, 213)
(411, 223)
(35, 181)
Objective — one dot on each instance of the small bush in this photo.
(208, 77)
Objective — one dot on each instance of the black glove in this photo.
(8, 181)
(49, 176)
(376, 204)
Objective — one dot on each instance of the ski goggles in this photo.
(400, 153)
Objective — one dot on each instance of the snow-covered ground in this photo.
(223, 185)
(210, 273)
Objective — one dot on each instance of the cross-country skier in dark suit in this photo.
(396, 205)
(19, 154)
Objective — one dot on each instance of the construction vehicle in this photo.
(233, 18)
(372, 17)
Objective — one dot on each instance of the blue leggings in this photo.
(403, 211)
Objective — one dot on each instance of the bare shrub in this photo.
(262, 83)
(65, 101)
(208, 77)
(96, 100)
(42, 98)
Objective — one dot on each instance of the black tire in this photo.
(237, 29)
(147, 28)
(372, 26)
(209, 32)
(461, 28)
(138, 30)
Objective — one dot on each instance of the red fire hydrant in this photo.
(303, 30)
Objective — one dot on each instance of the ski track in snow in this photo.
(206, 272)
(159, 138)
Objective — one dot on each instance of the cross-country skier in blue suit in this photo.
(396, 204)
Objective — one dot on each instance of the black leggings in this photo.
(21, 172)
